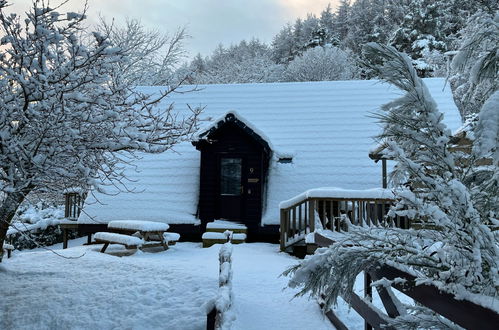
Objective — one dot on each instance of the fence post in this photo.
(284, 230)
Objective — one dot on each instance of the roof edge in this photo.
(233, 117)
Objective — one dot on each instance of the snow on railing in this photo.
(334, 209)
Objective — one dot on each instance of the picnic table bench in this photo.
(135, 234)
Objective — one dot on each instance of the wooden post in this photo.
(361, 213)
(104, 247)
(64, 238)
(211, 319)
(383, 166)
(89, 239)
(284, 230)
(311, 215)
(300, 225)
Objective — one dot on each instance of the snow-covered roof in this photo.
(326, 127)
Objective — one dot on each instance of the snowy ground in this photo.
(163, 290)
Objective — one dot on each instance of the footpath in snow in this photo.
(163, 290)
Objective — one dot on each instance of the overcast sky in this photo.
(209, 22)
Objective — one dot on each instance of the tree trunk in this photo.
(7, 211)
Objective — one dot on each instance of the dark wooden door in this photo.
(231, 199)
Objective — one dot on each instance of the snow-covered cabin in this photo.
(258, 144)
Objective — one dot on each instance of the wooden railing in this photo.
(73, 203)
(299, 215)
(462, 312)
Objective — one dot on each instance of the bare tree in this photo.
(67, 115)
(322, 63)
(153, 55)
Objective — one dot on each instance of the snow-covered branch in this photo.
(69, 117)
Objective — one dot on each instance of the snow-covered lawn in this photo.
(163, 290)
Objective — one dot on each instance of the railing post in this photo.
(311, 214)
(284, 229)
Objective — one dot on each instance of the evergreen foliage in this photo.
(424, 29)
(474, 69)
(455, 243)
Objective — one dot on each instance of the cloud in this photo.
(209, 22)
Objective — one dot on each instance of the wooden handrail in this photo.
(334, 213)
(464, 313)
(386, 200)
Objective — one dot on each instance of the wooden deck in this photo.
(335, 213)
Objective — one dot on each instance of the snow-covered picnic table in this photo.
(134, 234)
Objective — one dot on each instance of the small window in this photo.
(285, 160)
(230, 176)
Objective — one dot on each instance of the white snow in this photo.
(8, 246)
(76, 190)
(119, 238)
(215, 235)
(36, 218)
(488, 126)
(163, 290)
(225, 296)
(333, 235)
(138, 225)
(332, 192)
(220, 120)
(221, 224)
(171, 237)
(326, 126)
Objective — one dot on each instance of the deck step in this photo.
(211, 238)
(220, 226)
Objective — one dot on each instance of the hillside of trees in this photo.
(329, 46)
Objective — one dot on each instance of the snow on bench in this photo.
(171, 238)
(222, 236)
(143, 226)
(118, 239)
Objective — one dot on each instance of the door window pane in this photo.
(230, 176)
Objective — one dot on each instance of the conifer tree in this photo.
(456, 245)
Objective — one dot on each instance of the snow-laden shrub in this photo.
(40, 213)
(36, 225)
